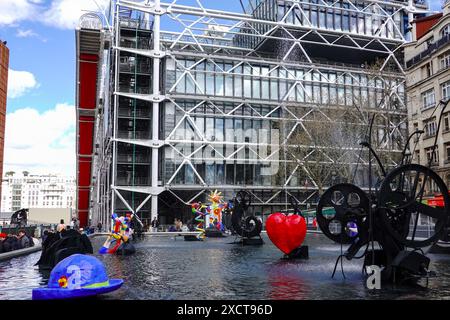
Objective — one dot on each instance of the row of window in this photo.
(294, 85)
(433, 155)
(445, 60)
(342, 16)
(429, 97)
(430, 125)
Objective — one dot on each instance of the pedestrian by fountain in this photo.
(155, 224)
(61, 226)
(24, 240)
(99, 227)
(3, 237)
(45, 235)
(10, 243)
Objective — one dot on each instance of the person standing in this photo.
(155, 224)
(61, 226)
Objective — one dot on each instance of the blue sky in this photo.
(41, 39)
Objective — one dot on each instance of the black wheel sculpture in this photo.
(401, 207)
(342, 211)
(244, 198)
(295, 205)
(245, 226)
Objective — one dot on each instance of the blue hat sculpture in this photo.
(77, 276)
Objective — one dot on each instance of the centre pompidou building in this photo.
(177, 99)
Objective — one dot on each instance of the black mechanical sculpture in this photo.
(388, 217)
(58, 246)
(19, 218)
(247, 226)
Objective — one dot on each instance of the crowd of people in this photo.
(11, 242)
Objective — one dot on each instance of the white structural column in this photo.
(155, 114)
(116, 108)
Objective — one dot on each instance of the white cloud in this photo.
(65, 14)
(29, 33)
(41, 142)
(26, 33)
(13, 11)
(20, 82)
(62, 14)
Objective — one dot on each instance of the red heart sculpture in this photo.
(286, 232)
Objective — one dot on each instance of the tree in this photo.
(325, 144)
(9, 173)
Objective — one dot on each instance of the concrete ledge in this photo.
(18, 253)
(172, 234)
(97, 234)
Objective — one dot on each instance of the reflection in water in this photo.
(284, 284)
(163, 268)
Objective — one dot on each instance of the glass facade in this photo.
(228, 110)
(268, 82)
(358, 17)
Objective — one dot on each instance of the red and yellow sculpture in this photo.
(121, 232)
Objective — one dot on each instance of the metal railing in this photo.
(131, 89)
(138, 68)
(445, 40)
(141, 135)
(140, 113)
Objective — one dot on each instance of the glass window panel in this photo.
(322, 19)
(330, 19)
(274, 89)
(230, 173)
(361, 28)
(341, 95)
(325, 94)
(239, 174)
(247, 87)
(337, 20)
(314, 18)
(190, 85)
(265, 89)
(219, 85)
(317, 93)
(333, 95)
(238, 83)
(256, 83)
(209, 178)
(189, 175)
(219, 129)
(220, 174)
(229, 86)
(300, 94)
(353, 23)
(308, 93)
(181, 86)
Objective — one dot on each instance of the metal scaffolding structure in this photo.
(193, 99)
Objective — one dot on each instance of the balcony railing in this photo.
(129, 181)
(428, 106)
(135, 43)
(445, 40)
(128, 158)
(140, 135)
(130, 112)
(131, 89)
(139, 68)
(135, 24)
